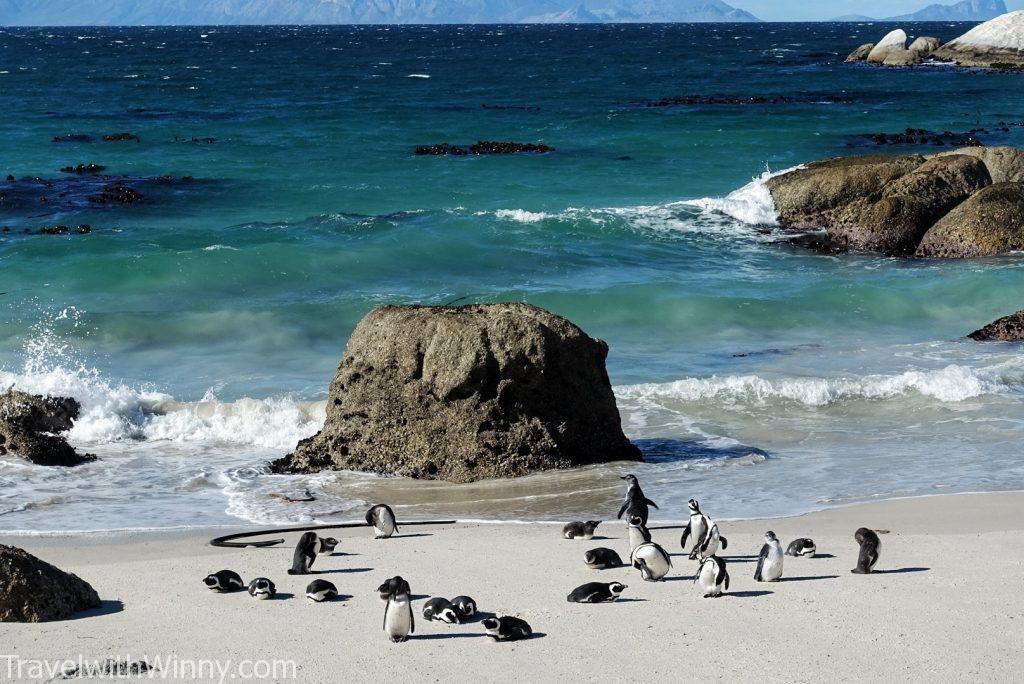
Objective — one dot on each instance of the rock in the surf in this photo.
(32, 590)
(1004, 164)
(988, 223)
(998, 44)
(29, 425)
(1006, 329)
(893, 41)
(861, 53)
(925, 45)
(466, 393)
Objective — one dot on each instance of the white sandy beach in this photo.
(946, 604)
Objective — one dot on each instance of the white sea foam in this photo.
(522, 215)
(953, 383)
(418, 76)
(751, 204)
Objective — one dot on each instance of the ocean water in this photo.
(201, 326)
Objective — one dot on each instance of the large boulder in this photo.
(902, 58)
(998, 43)
(28, 427)
(925, 45)
(893, 41)
(32, 590)
(466, 393)
(988, 223)
(1006, 329)
(808, 197)
(861, 53)
(895, 221)
(1004, 164)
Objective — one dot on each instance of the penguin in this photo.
(602, 559)
(769, 561)
(507, 628)
(652, 561)
(382, 519)
(321, 590)
(224, 581)
(305, 554)
(638, 532)
(704, 531)
(712, 576)
(580, 530)
(464, 606)
(596, 592)
(399, 622)
(326, 546)
(442, 610)
(870, 544)
(801, 547)
(636, 503)
(262, 589)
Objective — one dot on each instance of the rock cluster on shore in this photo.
(466, 393)
(963, 203)
(32, 590)
(995, 44)
(29, 425)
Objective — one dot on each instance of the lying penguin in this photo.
(442, 610)
(321, 590)
(224, 581)
(652, 561)
(464, 606)
(602, 558)
(801, 547)
(580, 530)
(262, 589)
(507, 628)
(596, 592)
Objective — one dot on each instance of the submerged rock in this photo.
(988, 223)
(72, 138)
(32, 590)
(116, 193)
(921, 136)
(28, 427)
(84, 169)
(482, 147)
(122, 137)
(701, 100)
(466, 393)
(1006, 329)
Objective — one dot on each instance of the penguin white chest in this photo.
(706, 578)
(398, 619)
(772, 569)
(636, 538)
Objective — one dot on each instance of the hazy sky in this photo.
(797, 10)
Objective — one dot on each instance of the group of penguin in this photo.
(712, 576)
(399, 622)
(650, 558)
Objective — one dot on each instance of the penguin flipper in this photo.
(727, 581)
(760, 563)
(686, 535)
(725, 542)
(412, 618)
(651, 503)
(622, 510)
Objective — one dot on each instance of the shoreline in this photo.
(949, 561)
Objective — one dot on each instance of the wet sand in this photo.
(947, 602)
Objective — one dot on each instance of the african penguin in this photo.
(327, 545)
(580, 530)
(507, 628)
(870, 545)
(801, 547)
(224, 581)
(602, 558)
(383, 521)
(704, 532)
(635, 503)
(399, 622)
(261, 588)
(712, 577)
(321, 590)
(465, 606)
(442, 610)
(596, 592)
(638, 532)
(305, 554)
(769, 561)
(652, 561)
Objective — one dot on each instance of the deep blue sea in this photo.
(281, 201)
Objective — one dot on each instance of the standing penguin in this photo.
(399, 622)
(580, 530)
(801, 547)
(636, 503)
(704, 532)
(652, 561)
(638, 532)
(382, 519)
(870, 545)
(305, 554)
(712, 577)
(769, 561)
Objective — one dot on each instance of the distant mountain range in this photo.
(209, 12)
(968, 10)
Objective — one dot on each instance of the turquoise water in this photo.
(201, 326)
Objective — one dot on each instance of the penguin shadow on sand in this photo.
(411, 535)
(337, 571)
(807, 578)
(747, 594)
(107, 607)
(898, 571)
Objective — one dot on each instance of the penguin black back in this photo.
(635, 504)
(507, 628)
(305, 554)
(870, 545)
(602, 558)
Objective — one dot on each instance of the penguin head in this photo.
(590, 526)
(631, 479)
(450, 616)
(590, 558)
(617, 588)
(328, 544)
(261, 588)
(693, 505)
(769, 537)
(636, 521)
(212, 582)
(492, 625)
